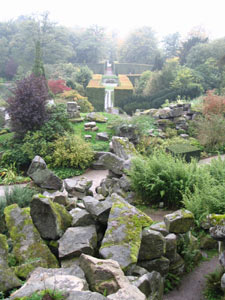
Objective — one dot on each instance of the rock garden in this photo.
(60, 239)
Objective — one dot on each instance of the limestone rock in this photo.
(58, 197)
(42, 279)
(8, 279)
(151, 284)
(171, 246)
(129, 131)
(218, 233)
(95, 117)
(207, 242)
(180, 221)
(42, 176)
(153, 245)
(160, 265)
(135, 270)
(78, 187)
(98, 209)
(223, 282)
(102, 136)
(122, 147)
(103, 274)
(77, 240)
(130, 292)
(213, 220)
(177, 265)
(27, 243)
(51, 219)
(37, 163)
(160, 227)
(113, 163)
(81, 217)
(85, 295)
(122, 238)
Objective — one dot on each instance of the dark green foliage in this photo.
(162, 177)
(38, 68)
(20, 195)
(213, 289)
(121, 96)
(27, 105)
(133, 78)
(96, 95)
(185, 150)
(83, 76)
(172, 281)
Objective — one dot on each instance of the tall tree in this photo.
(171, 44)
(140, 47)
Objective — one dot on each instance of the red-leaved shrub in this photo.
(58, 86)
(213, 104)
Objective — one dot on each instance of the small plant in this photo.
(46, 294)
(213, 289)
(172, 281)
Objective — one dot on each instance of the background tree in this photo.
(171, 45)
(140, 47)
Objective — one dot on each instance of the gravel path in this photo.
(192, 285)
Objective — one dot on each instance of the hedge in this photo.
(97, 68)
(130, 68)
(122, 92)
(96, 92)
(133, 78)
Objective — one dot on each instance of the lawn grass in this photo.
(103, 127)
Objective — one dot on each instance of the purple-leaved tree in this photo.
(27, 105)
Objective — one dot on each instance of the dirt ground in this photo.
(193, 283)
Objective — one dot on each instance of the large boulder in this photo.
(153, 245)
(129, 131)
(113, 163)
(98, 209)
(160, 265)
(37, 163)
(130, 292)
(77, 240)
(67, 280)
(103, 275)
(81, 217)
(85, 295)
(51, 219)
(122, 238)
(122, 147)
(180, 221)
(42, 176)
(58, 197)
(150, 284)
(27, 243)
(218, 233)
(8, 279)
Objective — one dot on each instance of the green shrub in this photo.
(216, 169)
(162, 177)
(213, 289)
(208, 199)
(211, 133)
(20, 195)
(72, 151)
(85, 105)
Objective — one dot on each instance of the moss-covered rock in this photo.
(122, 239)
(27, 243)
(50, 218)
(8, 279)
(180, 221)
(122, 147)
